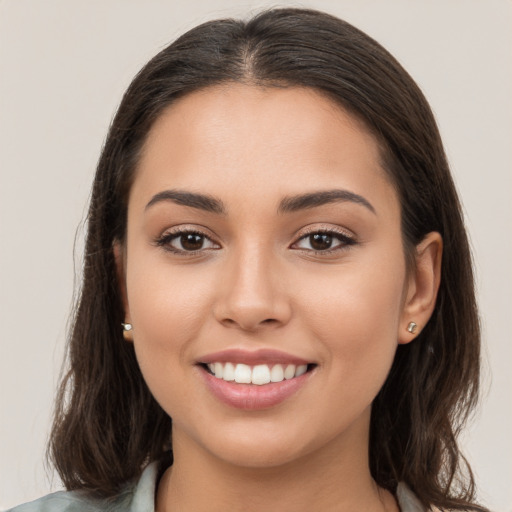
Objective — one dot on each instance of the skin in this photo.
(257, 283)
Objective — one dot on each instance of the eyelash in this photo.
(346, 241)
(165, 241)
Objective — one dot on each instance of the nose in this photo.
(252, 293)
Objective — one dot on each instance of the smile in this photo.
(254, 380)
(259, 375)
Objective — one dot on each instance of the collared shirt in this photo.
(140, 497)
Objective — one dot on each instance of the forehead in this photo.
(263, 140)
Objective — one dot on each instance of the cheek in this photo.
(165, 299)
(355, 314)
(167, 308)
(356, 297)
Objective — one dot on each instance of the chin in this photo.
(270, 444)
(255, 444)
(261, 455)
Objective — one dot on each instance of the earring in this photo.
(127, 328)
(412, 327)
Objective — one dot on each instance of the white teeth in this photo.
(260, 374)
(242, 374)
(277, 373)
(229, 372)
(219, 370)
(289, 372)
(301, 370)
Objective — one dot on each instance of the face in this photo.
(263, 241)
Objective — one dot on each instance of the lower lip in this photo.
(252, 396)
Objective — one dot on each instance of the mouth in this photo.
(259, 375)
(254, 380)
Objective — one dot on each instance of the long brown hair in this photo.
(107, 425)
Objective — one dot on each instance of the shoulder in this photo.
(137, 496)
(407, 500)
(72, 501)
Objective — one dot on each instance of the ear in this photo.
(120, 260)
(422, 287)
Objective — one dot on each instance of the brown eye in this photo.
(324, 241)
(183, 242)
(191, 241)
(320, 241)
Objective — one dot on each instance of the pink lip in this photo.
(252, 396)
(252, 358)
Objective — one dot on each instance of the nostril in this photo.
(249, 324)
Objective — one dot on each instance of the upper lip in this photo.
(252, 357)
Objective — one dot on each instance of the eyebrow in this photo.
(200, 201)
(320, 198)
(289, 204)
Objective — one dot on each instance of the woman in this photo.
(276, 260)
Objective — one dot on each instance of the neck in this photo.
(334, 478)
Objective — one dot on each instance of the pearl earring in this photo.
(127, 331)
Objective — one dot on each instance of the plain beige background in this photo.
(63, 67)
